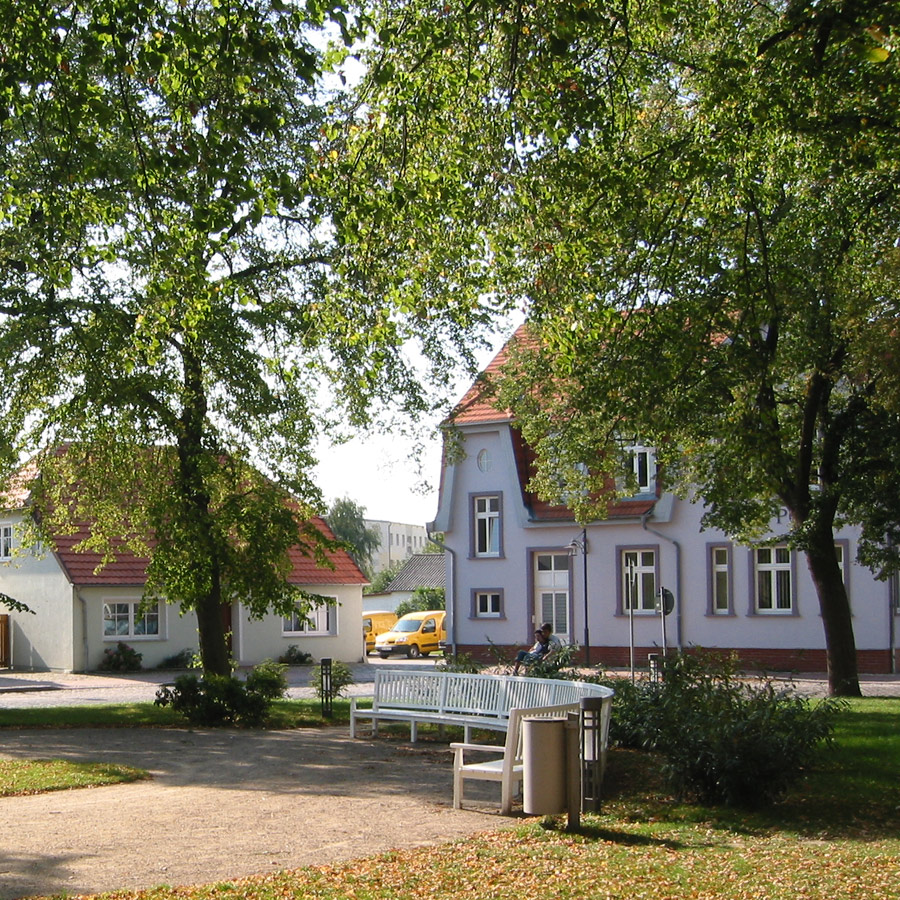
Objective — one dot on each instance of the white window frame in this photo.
(133, 614)
(320, 621)
(487, 603)
(487, 526)
(7, 540)
(642, 464)
(634, 569)
(720, 579)
(773, 581)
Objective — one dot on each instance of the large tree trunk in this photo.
(843, 675)
(196, 510)
(211, 630)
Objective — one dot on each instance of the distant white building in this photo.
(399, 542)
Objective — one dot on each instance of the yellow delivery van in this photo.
(415, 634)
(375, 623)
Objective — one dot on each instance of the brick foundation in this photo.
(870, 662)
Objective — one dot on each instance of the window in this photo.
(642, 463)
(774, 590)
(487, 604)
(125, 619)
(6, 541)
(487, 525)
(638, 580)
(551, 581)
(321, 620)
(720, 580)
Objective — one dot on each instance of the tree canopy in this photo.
(182, 280)
(347, 521)
(698, 205)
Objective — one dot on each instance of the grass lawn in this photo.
(36, 776)
(837, 836)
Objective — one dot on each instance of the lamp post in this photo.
(575, 546)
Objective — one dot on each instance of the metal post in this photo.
(630, 593)
(574, 546)
(574, 792)
(327, 696)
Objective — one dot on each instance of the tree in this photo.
(698, 203)
(177, 286)
(423, 599)
(347, 522)
(382, 579)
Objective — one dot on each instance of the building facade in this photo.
(515, 562)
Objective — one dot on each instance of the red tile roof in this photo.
(478, 407)
(478, 403)
(126, 570)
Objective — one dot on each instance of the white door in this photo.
(551, 593)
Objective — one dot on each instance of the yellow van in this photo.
(375, 623)
(415, 634)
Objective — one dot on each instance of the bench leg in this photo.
(457, 780)
(505, 797)
(413, 731)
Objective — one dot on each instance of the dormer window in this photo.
(642, 463)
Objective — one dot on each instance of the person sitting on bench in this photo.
(545, 643)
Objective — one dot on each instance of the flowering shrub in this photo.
(120, 658)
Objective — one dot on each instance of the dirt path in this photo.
(220, 805)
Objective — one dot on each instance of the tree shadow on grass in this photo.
(830, 803)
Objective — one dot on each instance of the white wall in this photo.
(256, 640)
(673, 520)
(42, 641)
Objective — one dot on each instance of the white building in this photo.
(515, 561)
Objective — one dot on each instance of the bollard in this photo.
(327, 695)
(593, 756)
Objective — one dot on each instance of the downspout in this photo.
(677, 546)
(84, 630)
(449, 591)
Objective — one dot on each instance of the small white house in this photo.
(515, 561)
(80, 611)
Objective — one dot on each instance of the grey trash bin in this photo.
(543, 766)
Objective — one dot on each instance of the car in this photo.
(376, 622)
(415, 634)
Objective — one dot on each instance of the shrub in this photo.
(341, 679)
(722, 739)
(554, 664)
(464, 664)
(294, 656)
(225, 700)
(120, 658)
(183, 659)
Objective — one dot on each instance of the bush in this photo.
(120, 658)
(294, 656)
(226, 700)
(341, 679)
(722, 739)
(183, 659)
(463, 664)
(554, 664)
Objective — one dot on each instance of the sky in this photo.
(390, 476)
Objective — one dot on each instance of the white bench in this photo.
(470, 701)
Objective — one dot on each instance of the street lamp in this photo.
(576, 546)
